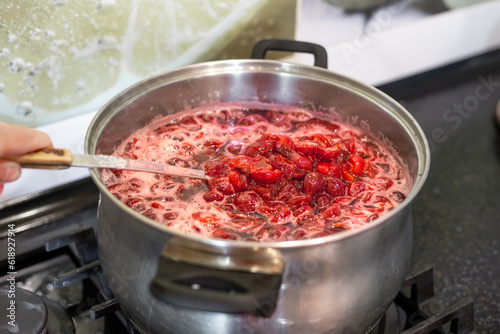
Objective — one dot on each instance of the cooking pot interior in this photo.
(325, 94)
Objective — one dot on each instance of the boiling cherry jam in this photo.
(273, 175)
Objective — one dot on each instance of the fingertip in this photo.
(16, 140)
(43, 139)
(9, 171)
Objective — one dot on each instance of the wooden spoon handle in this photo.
(47, 158)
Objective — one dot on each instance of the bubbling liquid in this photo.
(273, 175)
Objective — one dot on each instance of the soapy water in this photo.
(72, 57)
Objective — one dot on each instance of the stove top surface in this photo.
(455, 231)
(456, 220)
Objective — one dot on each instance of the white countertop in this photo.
(399, 41)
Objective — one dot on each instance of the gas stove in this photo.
(50, 264)
(60, 288)
(49, 260)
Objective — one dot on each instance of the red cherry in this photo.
(205, 118)
(221, 234)
(322, 140)
(383, 183)
(398, 196)
(190, 122)
(305, 219)
(284, 145)
(170, 215)
(370, 170)
(356, 188)
(357, 164)
(115, 188)
(262, 171)
(117, 172)
(248, 225)
(385, 167)
(282, 216)
(345, 172)
(328, 168)
(200, 135)
(136, 204)
(241, 162)
(277, 232)
(323, 168)
(286, 192)
(213, 195)
(216, 169)
(162, 130)
(250, 120)
(186, 149)
(134, 185)
(247, 201)
(178, 162)
(221, 184)
(266, 176)
(205, 217)
(320, 234)
(306, 147)
(322, 200)
(335, 187)
(313, 183)
(261, 129)
(303, 210)
(353, 211)
(331, 212)
(312, 223)
(150, 214)
(296, 201)
(361, 150)
(382, 201)
(299, 234)
(157, 205)
(245, 182)
(213, 143)
(235, 180)
(267, 136)
(349, 143)
(234, 147)
(288, 170)
(301, 161)
(309, 124)
(257, 149)
(266, 193)
(270, 208)
(275, 116)
(285, 140)
(327, 153)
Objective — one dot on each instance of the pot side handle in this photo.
(218, 290)
(319, 52)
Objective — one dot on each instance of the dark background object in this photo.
(456, 215)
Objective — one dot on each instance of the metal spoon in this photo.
(58, 158)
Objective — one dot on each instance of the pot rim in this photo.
(404, 118)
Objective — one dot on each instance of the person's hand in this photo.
(17, 140)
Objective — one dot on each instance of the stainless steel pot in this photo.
(169, 282)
